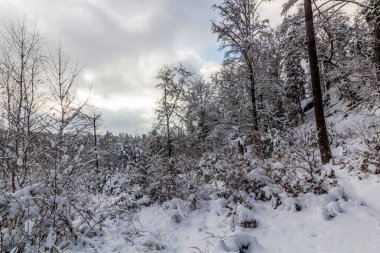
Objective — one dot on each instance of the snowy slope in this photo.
(355, 228)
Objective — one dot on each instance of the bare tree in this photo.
(93, 118)
(172, 81)
(65, 128)
(20, 70)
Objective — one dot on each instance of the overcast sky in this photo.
(123, 43)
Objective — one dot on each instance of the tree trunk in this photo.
(253, 99)
(377, 37)
(168, 137)
(96, 145)
(323, 141)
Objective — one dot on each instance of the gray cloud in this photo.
(122, 44)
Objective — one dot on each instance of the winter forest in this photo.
(278, 151)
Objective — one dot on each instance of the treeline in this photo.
(270, 81)
(231, 130)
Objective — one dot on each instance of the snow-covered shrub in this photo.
(153, 244)
(370, 160)
(115, 184)
(131, 173)
(171, 178)
(296, 167)
(163, 181)
(359, 85)
(233, 172)
(245, 217)
(262, 144)
(51, 216)
(130, 201)
(330, 211)
(358, 143)
(242, 243)
(176, 217)
(32, 219)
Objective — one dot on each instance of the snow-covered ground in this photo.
(345, 220)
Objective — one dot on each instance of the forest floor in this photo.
(351, 226)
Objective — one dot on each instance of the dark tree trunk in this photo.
(96, 146)
(323, 140)
(169, 143)
(377, 48)
(377, 36)
(253, 99)
(203, 129)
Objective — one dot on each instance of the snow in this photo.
(347, 219)
(278, 165)
(50, 240)
(19, 162)
(29, 226)
(238, 243)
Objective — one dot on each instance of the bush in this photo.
(296, 167)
